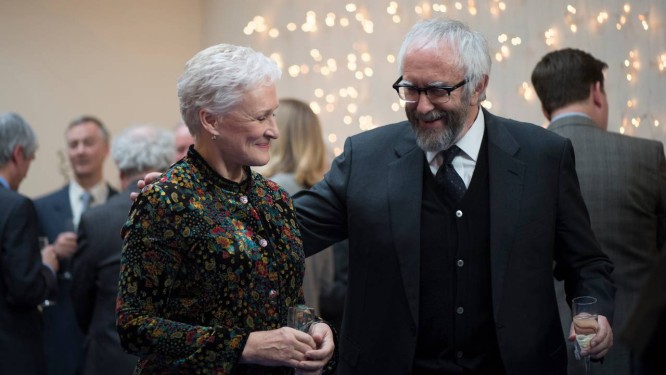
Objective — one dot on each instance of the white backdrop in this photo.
(516, 31)
(120, 60)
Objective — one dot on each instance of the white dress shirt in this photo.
(470, 144)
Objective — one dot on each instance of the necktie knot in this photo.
(450, 154)
(86, 200)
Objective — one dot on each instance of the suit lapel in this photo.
(62, 206)
(506, 174)
(405, 190)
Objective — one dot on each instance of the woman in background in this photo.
(212, 256)
(299, 159)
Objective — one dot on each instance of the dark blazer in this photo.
(623, 182)
(24, 283)
(96, 268)
(539, 226)
(63, 339)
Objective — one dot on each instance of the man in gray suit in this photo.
(96, 264)
(622, 179)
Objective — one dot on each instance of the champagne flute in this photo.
(585, 324)
(300, 317)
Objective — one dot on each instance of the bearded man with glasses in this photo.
(457, 222)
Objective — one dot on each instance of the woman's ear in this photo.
(208, 122)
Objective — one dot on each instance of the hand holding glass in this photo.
(300, 317)
(585, 323)
(43, 243)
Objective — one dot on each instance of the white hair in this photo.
(472, 55)
(142, 148)
(14, 131)
(216, 78)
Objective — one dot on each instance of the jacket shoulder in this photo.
(54, 196)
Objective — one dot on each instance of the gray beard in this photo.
(434, 140)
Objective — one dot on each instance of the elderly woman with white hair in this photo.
(212, 256)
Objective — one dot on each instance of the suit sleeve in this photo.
(661, 200)
(321, 211)
(580, 262)
(28, 281)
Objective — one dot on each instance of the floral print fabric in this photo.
(205, 262)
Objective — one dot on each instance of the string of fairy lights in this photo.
(362, 63)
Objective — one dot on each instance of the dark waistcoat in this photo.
(456, 332)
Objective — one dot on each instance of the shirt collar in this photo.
(99, 192)
(4, 182)
(568, 114)
(470, 143)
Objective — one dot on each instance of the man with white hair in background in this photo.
(96, 265)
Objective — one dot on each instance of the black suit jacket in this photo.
(539, 226)
(63, 339)
(94, 288)
(25, 282)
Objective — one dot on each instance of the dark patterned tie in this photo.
(448, 178)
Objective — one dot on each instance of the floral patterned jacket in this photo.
(205, 262)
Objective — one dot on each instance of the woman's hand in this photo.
(317, 358)
(279, 347)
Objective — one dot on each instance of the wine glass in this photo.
(300, 317)
(43, 243)
(585, 324)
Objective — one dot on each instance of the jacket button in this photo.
(459, 213)
(273, 294)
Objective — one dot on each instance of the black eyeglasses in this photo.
(436, 94)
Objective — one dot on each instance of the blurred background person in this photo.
(183, 140)
(27, 277)
(212, 257)
(58, 214)
(298, 161)
(622, 179)
(96, 264)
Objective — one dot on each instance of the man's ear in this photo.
(481, 87)
(17, 153)
(597, 94)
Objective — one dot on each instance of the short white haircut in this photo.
(142, 148)
(216, 79)
(472, 54)
(14, 131)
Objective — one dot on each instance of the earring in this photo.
(214, 137)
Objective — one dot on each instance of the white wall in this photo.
(118, 60)
(526, 19)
